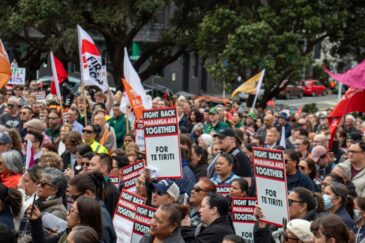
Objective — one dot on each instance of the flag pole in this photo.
(82, 75)
(127, 120)
(258, 90)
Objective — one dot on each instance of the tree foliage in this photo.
(116, 21)
(240, 39)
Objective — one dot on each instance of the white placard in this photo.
(18, 76)
(243, 217)
(162, 142)
(271, 185)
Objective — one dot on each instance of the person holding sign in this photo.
(165, 224)
(165, 191)
(223, 169)
(303, 204)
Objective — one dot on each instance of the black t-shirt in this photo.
(9, 121)
(242, 164)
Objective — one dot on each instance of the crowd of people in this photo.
(77, 150)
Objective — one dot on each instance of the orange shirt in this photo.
(11, 181)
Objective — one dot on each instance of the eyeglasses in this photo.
(291, 201)
(87, 131)
(52, 118)
(45, 183)
(198, 189)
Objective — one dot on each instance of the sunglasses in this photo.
(11, 105)
(159, 193)
(198, 189)
(44, 183)
(87, 164)
(291, 201)
(87, 131)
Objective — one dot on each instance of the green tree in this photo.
(34, 27)
(243, 38)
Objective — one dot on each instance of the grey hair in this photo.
(57, 179)
(13, 161)
(198, 126)
(14, 99)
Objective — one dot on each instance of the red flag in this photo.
(61, 74)
(352, 101)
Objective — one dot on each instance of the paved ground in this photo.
(323, 102)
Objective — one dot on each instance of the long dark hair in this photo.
(331, 226)
(90, 214)
(313, 200)
(91, 181)
(200, 151)
(12, 198)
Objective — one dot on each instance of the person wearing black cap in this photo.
(228, 144)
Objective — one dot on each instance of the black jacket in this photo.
(109, 235)
(111, 197)
(215, 232)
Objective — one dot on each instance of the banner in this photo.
(18, 76)
(139, 135)
(271, 187)
(161, 131)
(90, 61)
(133, 86)
(123, 219)
(243, 217)
(223, 189)
(142, 222)
(130, 174)
(5, 70)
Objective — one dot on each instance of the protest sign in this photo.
(142, 222)
(271, 184)
(223, 189)
(139, 135)
(123, 219)
(161, 131)
(115, 180)
(17, 76)
(243, 217)
(130, 174)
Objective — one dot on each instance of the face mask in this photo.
(327, 201)
(357, 215)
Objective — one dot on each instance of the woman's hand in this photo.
(33, 212)
(259, 215)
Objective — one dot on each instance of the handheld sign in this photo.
(142, 222)
(223, 189)
(161, 131)
(243, 217)
(130, 175)
(17, 76)
(123, 219)
(139, 135)
(115, 180)
(271, 184)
